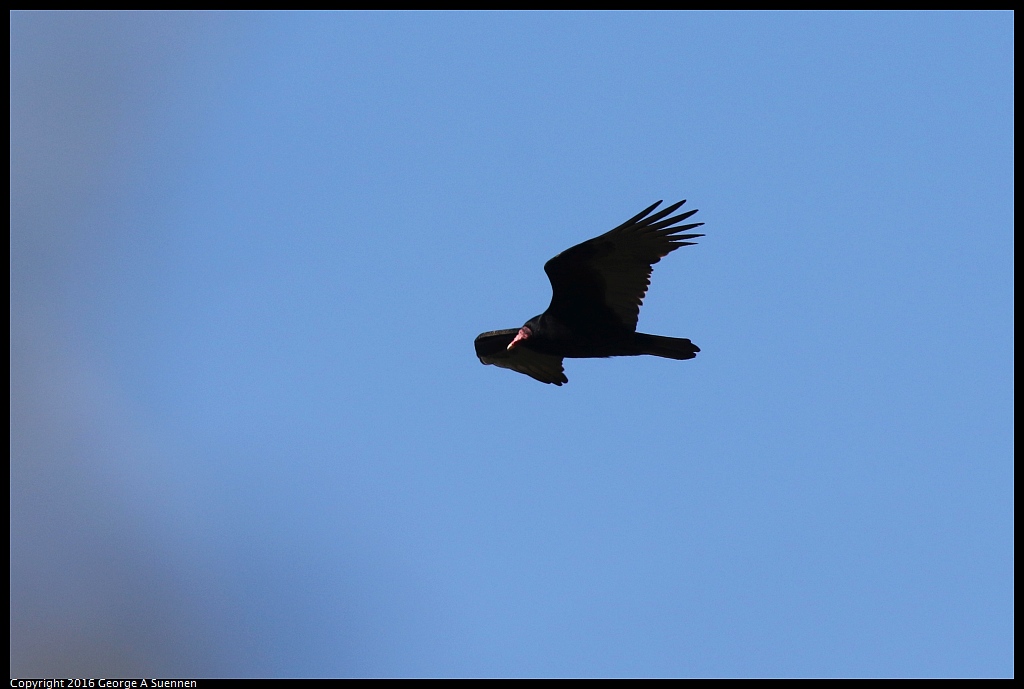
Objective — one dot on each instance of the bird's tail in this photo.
(668, 347)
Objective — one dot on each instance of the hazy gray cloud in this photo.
(91, 593)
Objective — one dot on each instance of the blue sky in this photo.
(249, 256)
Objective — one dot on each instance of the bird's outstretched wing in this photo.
(604, 280)
(492, 348)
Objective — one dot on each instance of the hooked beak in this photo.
(523, 333)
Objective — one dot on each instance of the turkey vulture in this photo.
(597, 288)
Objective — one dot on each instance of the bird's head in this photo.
(523, 334)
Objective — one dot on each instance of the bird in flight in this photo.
(597, 288)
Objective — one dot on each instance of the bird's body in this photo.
(597, 289)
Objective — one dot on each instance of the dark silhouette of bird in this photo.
(597, 288)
